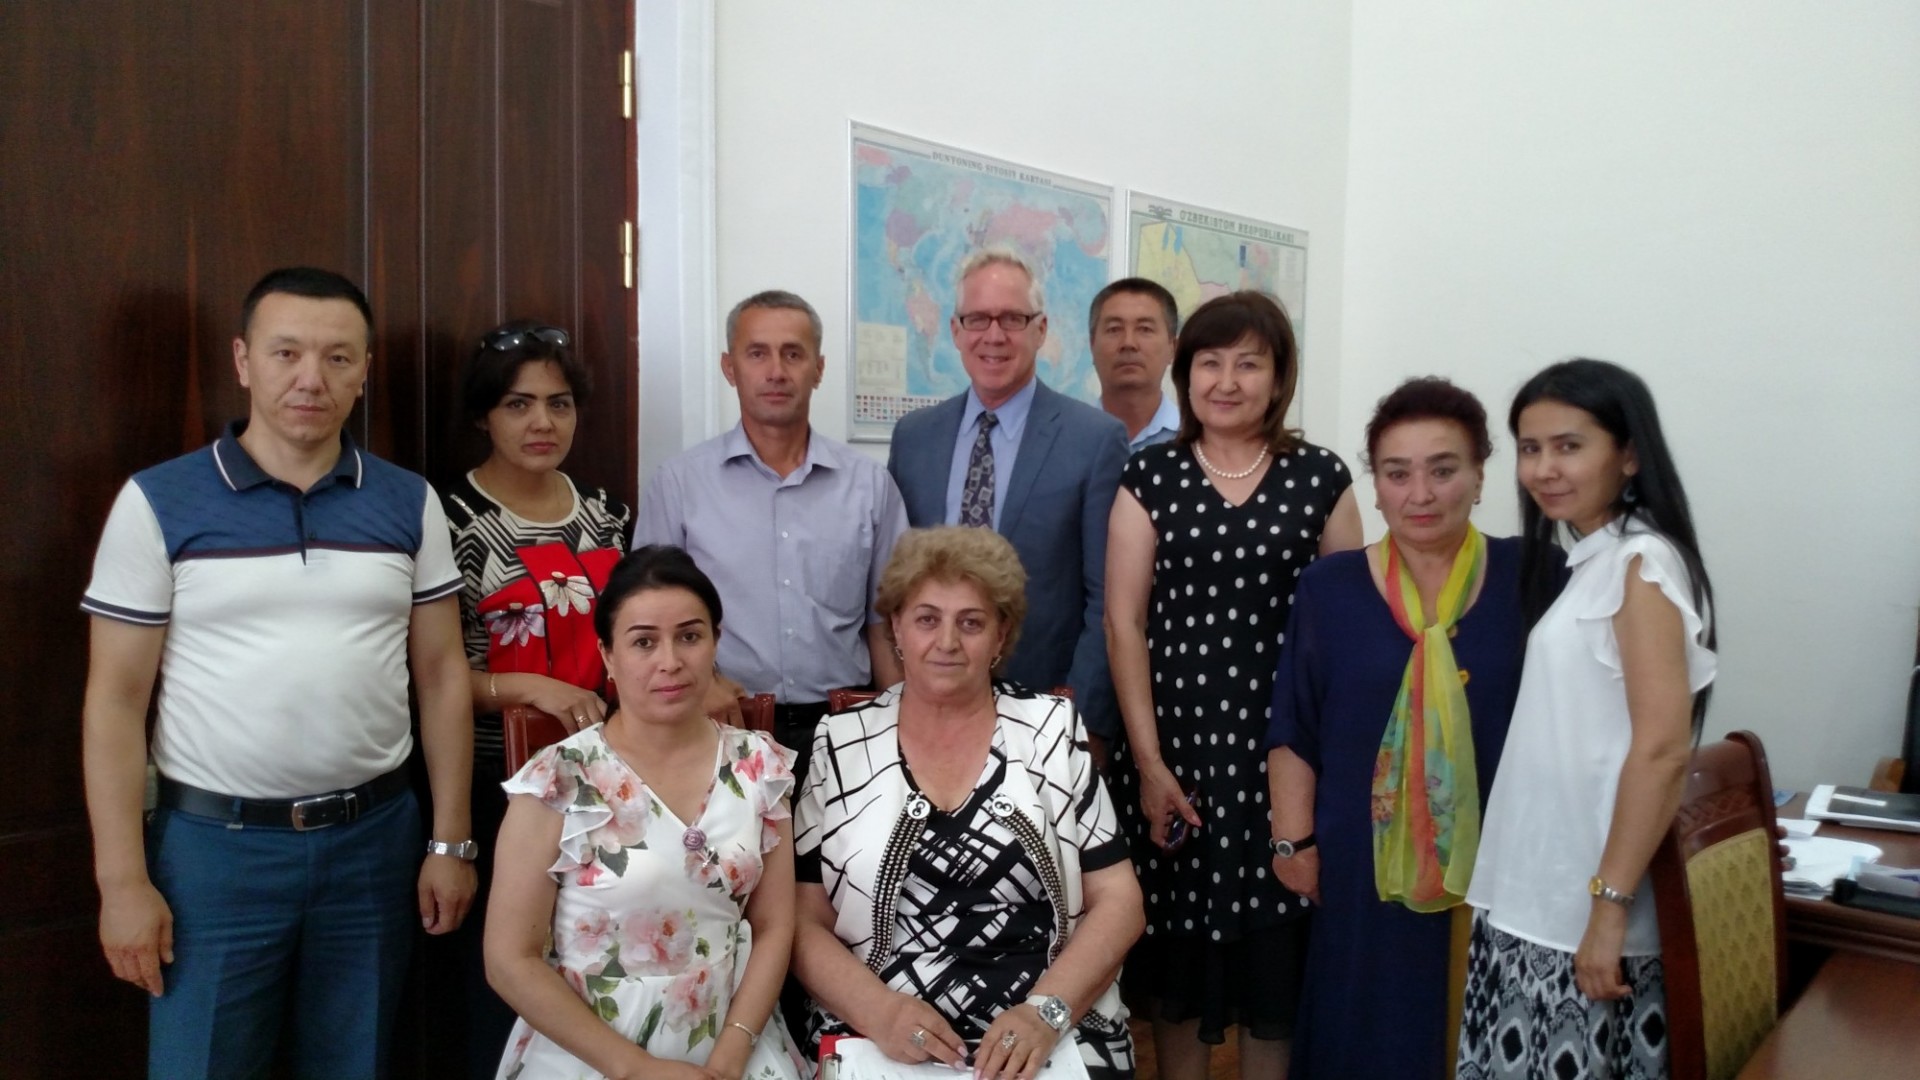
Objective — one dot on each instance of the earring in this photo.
(995, 662)
(897, 654)
(1476, 500)
(1627, 494)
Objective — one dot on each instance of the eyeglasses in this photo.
(506, 341)
(1010, 321)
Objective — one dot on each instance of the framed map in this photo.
(1200, 254)
(918, 210)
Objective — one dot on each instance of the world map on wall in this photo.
(919, 209)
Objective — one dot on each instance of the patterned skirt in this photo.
(1525, 1017)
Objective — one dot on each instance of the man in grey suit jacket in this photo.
(1050, 466)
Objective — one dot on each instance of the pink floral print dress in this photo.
(649, 925)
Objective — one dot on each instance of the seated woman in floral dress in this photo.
(965, 895)
(654, 852)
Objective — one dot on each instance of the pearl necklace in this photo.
(1223, 474)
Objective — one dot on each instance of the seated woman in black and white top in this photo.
(964, 895)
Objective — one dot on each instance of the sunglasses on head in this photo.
(505, 340)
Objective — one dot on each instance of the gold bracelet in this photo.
(752, 1039)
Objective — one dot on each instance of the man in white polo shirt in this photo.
(279, 583)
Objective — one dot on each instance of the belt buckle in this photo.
(319, 811)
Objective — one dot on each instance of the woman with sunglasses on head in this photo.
(1563, 974)
(534, 550)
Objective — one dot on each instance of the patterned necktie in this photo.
(976, 497)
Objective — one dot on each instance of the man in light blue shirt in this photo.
(1133, 324)
(793, 527)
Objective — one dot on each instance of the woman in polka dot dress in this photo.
(1207, 538)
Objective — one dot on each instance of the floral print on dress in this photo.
(650, 929)
(566, 595)
(518, 624)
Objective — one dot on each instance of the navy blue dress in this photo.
(1374, 1000)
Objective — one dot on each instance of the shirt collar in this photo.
(1165, 418)
(1605, 537)
(1011, 414)
(241, 472)
(736, 446)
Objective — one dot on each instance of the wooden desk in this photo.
(1837, 926)
(1856, 1020)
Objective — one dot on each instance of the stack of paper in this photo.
(1869, 809)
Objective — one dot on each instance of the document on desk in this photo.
(1819, 860)
(861, 1059)
(1865, 808)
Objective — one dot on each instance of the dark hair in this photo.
(655, 566)
(1619, 401)
(1223, 321)
(304, 281)
(491, 371)
(1142, 286)
(1431, 397)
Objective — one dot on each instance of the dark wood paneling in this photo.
(84, 1025)
(461, 230)
(395, 401)
(463, 159)
(607, 450)
(523, 210)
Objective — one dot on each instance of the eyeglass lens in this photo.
(1008, 320)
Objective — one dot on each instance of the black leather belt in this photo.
(311, 812)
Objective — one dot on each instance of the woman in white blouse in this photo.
(1564, 976)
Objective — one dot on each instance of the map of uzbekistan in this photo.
(1200, 254)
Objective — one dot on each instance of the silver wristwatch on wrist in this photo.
(1052, 1010)
(1602, 891)
(465, 850)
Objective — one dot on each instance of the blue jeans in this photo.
(271, 923)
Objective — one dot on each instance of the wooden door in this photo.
(465, 160)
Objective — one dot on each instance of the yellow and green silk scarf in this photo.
(1426, 793)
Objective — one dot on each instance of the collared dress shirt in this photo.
(796, 559)
(1162, 428)
(1005, 440)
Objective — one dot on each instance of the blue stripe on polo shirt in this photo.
(215, 503)
(125, 614)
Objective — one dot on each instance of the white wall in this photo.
(1131, 92)
(1726, 199)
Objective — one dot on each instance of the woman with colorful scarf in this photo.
(1389, 712)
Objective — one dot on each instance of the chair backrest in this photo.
(1722, 914)
(839, 701)
(528, 730)
(756, 713)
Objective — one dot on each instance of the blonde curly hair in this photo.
(952, 553)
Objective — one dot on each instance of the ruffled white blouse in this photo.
(1552, 803)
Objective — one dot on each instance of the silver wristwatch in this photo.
(1053, 1010)
(465, 850)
